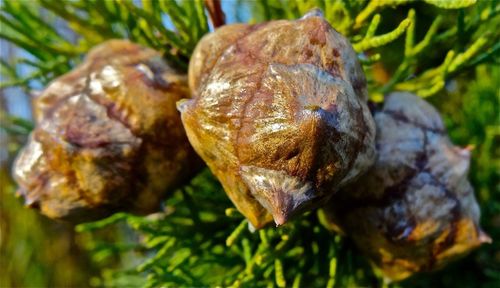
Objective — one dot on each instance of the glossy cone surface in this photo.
(415, 209)
(108, 137)
(279, 114)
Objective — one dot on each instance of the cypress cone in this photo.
(414, 210)
(108, 137)
(279, 114)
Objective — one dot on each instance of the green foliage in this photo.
(15, 125)
(24, 24)
(199, 239)
(34, 251)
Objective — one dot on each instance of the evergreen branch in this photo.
(151, 22)
(232, 212)
(198, 25)
(378, 41)
(432, 80)
(7, 70)
(462, 58)
(236, 233)
(339, 14)
(417, 49)
(58, 65)
(451, 4)
(410, 33)
(86, 227)
(489, 55)
(472, 24)
(91, 30)
(15, 125)
(26, 45)
(200, 235)
(278, 268)
(373, 6)
(297, 281)
(332, 273)
(373, 26)
(432, 76)
(177, 15)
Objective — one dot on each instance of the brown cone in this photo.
(108, 137)
(414, 210)
(279, 114)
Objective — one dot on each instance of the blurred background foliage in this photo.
(447, 51)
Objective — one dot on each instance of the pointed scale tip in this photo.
(316, 12)
(469, 147)
(31, 202)
(280, 218)
(484, 238)
(251, 228)
(281, 194)
(182, 105)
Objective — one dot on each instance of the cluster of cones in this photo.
(278, 112)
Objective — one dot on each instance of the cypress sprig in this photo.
(381, 40)
(200, 239)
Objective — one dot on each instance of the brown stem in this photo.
(216, 14)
